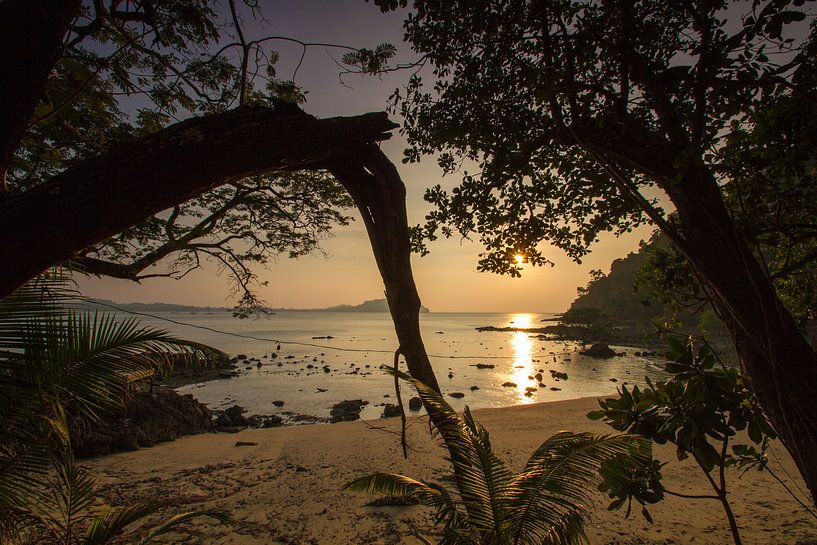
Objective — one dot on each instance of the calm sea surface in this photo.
(451, 339)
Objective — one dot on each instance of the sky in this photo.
(447, 279)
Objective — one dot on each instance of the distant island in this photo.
(373, 305)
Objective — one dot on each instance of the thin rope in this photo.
(299, 343)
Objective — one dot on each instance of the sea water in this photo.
(362, 342)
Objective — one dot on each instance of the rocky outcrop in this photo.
(599, 350)
(146, 419)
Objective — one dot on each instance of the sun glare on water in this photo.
(522, 356)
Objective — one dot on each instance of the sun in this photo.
(519, 258)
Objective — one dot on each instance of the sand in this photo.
(287, 489)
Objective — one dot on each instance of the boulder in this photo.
(390, 410)
(599, 350)
(457, 395)
(415, 404)
(346, 410)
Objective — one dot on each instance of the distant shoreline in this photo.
(106, 304)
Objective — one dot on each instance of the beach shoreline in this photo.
(287, 488)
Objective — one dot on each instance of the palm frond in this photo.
(559, 481)
(175, 521)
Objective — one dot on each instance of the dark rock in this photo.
(223, 420)
(509, 384)
(599, 350)
(146, 419)
(346, 410)
(474, 388)
(278, 403)
(484, 366)
(390, 410)
(272, 421)
(241, 357)
(457, 395)
(246, 444)
(415, 404)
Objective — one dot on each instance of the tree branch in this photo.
(102, 196)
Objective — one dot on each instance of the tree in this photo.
(573, 111)
(76, 170)
(702, 401)
(543, 504)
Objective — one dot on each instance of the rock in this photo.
(474, 388)
(538, 377)
(509, 384)
(599, 350)
(272, 421)
(390, 410)
(415, 404)
(246, 444)
(345, 411)
(146, 419)
(324, 337)
(531, 389)
(484, 366)
(457, 395)
(450, 375)
(223, 420)
(278, 403)
(241, 357)
(557, 375)
(555, 389)
(613, 380)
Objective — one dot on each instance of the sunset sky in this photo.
(447, 279)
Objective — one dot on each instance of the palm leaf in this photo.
(557, 482)
(398, 486)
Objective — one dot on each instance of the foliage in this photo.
(545, 503)
(702, 402)
(556, 114)
(63, 512)
(56, 361)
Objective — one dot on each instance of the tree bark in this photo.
(31, 36)
(374, 184)
(778, 361)
(100, 197)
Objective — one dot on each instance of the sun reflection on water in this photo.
(522, 357)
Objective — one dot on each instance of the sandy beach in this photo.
(287, 488)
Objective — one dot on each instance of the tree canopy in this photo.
(126, 70)
(572, 117)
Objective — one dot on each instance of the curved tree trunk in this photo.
(374, 184)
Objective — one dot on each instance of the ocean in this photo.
(364, 341)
